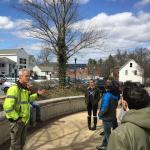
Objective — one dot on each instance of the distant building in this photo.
(7, 66)
(51, 70)
(32, 62)
(21, 58)
(76, 66)
(81, 71)
(130, 71)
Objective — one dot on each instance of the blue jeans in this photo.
(37, 107)
(107, 125)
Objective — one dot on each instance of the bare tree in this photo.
(92, 66)
(44, 57)
(53, 22)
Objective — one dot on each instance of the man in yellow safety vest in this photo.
(17, 109)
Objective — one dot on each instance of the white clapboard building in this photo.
(131, 71)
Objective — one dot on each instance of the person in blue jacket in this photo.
(107, 113)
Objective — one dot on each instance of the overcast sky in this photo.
(126, 22)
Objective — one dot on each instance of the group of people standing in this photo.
(129, 96)
(132, 134)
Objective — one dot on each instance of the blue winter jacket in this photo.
(108, 107)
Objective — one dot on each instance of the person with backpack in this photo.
(107, 113)
(134, 131)
(92, 97)
(17, 109)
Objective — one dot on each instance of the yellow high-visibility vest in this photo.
(17, 103)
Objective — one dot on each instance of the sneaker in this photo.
(100, 147)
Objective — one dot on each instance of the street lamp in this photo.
(94, 72)
(75, 60)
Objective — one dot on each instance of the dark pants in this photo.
(17, 135)
(90, 108)
(107, 131)
(35, 105)
(114, 123)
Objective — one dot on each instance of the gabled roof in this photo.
(46, 68)
(127, 63)
(10, 51)
(31, 56)
(6, 60)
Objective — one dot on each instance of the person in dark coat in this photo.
(92, 97)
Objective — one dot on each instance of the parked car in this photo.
(10, 79)
(40, 79)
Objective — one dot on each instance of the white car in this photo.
(41, 79)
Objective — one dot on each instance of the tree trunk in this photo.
(62, 65)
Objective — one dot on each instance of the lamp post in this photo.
(75, 61)
(50, 75)
(94, 72)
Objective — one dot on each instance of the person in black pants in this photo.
(92, 97)
(116, 91)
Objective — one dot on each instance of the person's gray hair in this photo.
(21, 71)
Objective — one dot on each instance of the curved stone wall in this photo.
(49, 109)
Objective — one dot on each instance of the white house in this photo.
(7, 66)
(131, 71)
(49, 70)
(20, 57)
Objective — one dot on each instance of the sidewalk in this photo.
(66, 133)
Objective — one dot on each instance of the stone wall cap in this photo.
(55, 100)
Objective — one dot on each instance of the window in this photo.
(2, 65)
(130, 64)
(22, 61)
(126, 72)
(135, 72)
(22, 67)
